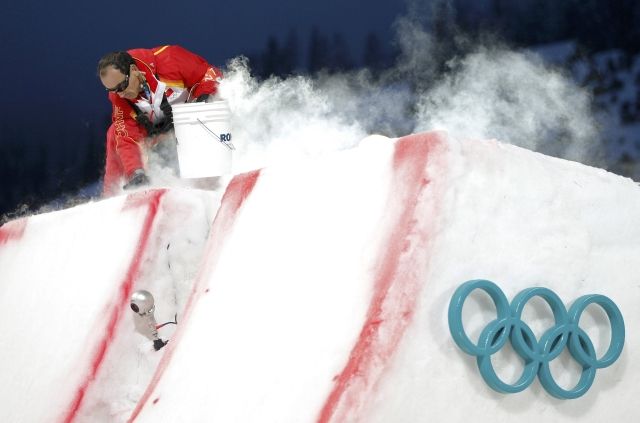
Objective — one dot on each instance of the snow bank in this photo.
(322, 291)
(65, 279)
(327, 296)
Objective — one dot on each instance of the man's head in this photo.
(118, 73)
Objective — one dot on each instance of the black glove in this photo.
(159, 343)
(138, 178)
(202, 98)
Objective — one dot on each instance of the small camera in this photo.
(145, 322)
(142, 302)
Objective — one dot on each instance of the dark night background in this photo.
(55, 112)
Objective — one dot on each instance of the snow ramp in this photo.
(65, 280)
(323, 289)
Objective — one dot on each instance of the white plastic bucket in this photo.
(204, 138)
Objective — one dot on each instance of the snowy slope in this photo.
(329, 330)
(520, 219)
(65, 282)
(322, 291)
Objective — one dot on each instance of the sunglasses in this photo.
(121, 86)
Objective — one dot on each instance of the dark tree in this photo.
(373, 57)
(318, 51)
(271, 58)
(289, 54)
(340, 57)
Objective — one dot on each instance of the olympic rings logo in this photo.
(537, 355)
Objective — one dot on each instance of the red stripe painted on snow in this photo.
(234, 197)
(12, 231)
(397, 283)
(151, 199)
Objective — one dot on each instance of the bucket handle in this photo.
(226, 143)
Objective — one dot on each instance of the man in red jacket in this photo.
(142, 86)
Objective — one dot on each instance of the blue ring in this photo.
(534, 352)
(537, 355)
(617, 331)
(455, 311)
(487, 370)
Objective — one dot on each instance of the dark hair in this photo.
(120, 60)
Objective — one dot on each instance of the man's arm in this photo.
(177, 63)
(128, 135)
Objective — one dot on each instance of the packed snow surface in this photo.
(319, 291)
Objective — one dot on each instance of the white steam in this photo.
(489, 93)
(282, 120)
(513, 97)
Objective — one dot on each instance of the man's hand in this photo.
(202, 98)
(138, 178)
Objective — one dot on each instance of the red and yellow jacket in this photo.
(170, 71)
